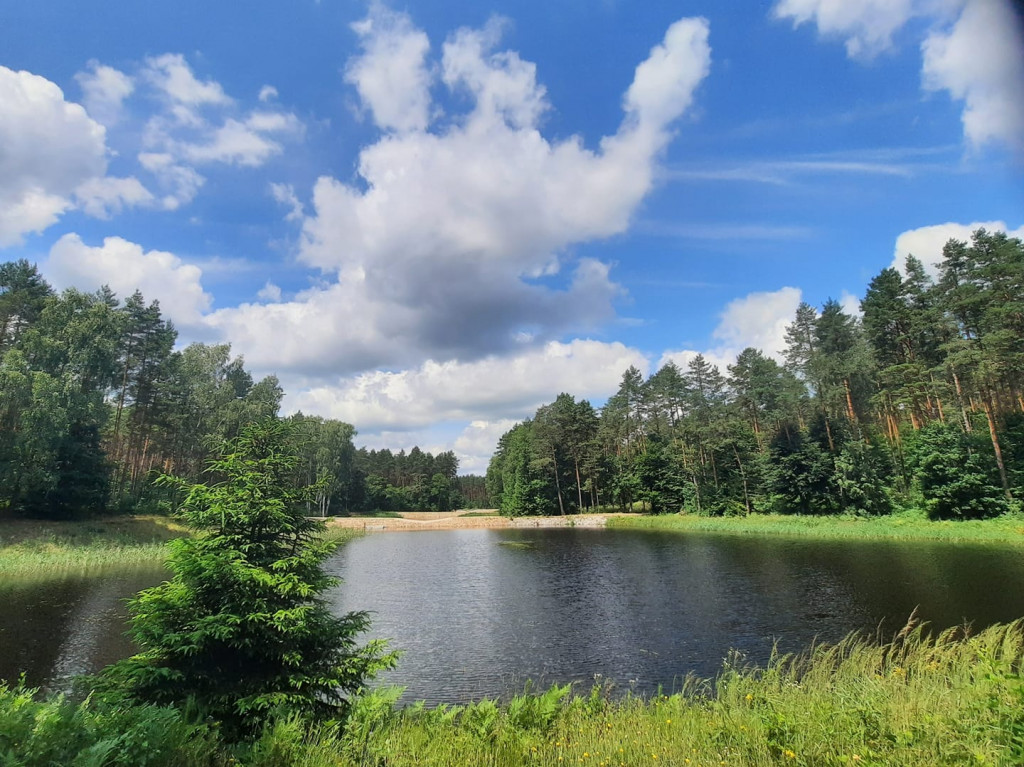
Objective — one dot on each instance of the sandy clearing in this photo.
(425, 520)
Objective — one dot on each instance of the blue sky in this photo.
(429, 218)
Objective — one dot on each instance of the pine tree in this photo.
(242, 629)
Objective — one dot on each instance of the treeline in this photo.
(413, 481)
(918, 403)
(96, 402)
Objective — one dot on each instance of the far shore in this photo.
(40, 548)
(1008, 529)
(469, 518)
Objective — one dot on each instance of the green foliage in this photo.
(801, 475)
(661, 481)
(863, 472)
(918, 701)
(913, 525)
(95, 402)
(413, 481)
(952, 475)
(537, 711)
(56, 731)
(516, 476)
(242, 628)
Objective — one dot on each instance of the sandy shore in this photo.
(452, 520)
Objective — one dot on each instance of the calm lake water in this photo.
(480, 612)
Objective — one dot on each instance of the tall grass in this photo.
(919, 701)
(947, 700)
(45, 549)
(1008, 529)
(36, 549)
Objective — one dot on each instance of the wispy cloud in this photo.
(723, 231)
(762, 126)
(901, 162)
(670, 284)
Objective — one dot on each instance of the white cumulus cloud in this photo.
(171, 75)
(245, 142)
(179, 182)
(269, 292)
(980, 61)
(199, 124)
(867, 25)
(391, 74)
(103, 197)
(925, 243)
(126, 267)
(973, 49)
(285, 195)
(757, 319)
(454, 243)
(512, 386)
(104, 90)
(475, 445)
(53, 158)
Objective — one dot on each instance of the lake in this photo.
(479, 612)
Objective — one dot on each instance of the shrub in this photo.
(242, 630)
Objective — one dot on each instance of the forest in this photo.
(916, 404)
(96, 403)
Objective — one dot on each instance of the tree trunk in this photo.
(743, 474)
(828, 433)
(558, 486)
(850, 413)
(987, 402)
(960, 399)
(579, 485)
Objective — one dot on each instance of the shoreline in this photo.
(1007, 530)
(427, 520)
(36, 548)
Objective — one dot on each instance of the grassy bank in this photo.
(39, 548)
(1002, 530)
(34, 548)
(918, 701)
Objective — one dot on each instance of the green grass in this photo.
(38, 549)
(480, 514)
(1008, 529)
(919, 701)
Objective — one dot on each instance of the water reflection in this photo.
(480, 612)
(644, 609)
(54, 630)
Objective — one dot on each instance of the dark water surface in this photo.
(55, 629)
(479, 612)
